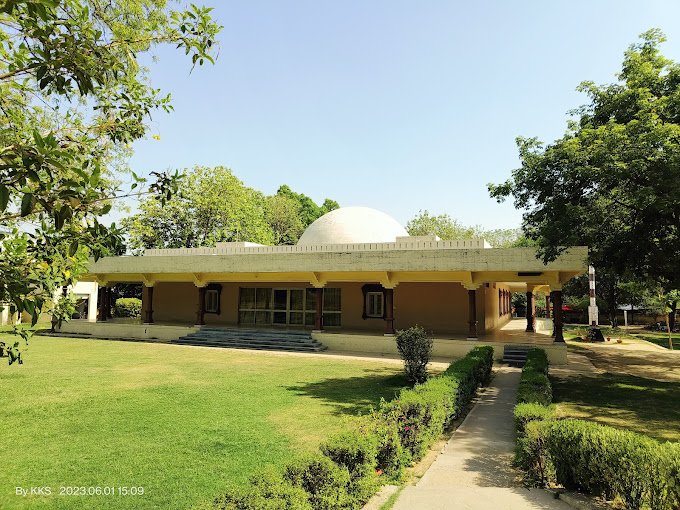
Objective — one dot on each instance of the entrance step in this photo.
(295, 341)
(516, 355)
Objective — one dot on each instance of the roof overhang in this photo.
(470, 267)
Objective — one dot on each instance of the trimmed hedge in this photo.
(587, 456)
(128, 307)
(534, 385)
(354, 463)
(604, 461)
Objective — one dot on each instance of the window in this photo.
(374, 301)
(287, 307)
(374, 304)
(212, 298)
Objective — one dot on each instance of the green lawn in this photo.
(571, 331)
(625, 401)
(181, 422)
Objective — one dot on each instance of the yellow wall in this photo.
(441, 308)
(491, 319)
(438, 307)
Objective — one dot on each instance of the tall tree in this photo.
(72, 97)
(212, 206)
(612, 182)
(448, 228)
(284, 219)
(309, 211)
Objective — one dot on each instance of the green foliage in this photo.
(391, 458)
(605, 461)
(448, 228)
(587, 456)
(213, 206)
(268, 490)
(612, 182)
(352, 449)
(309, 211)
(415, 348)
(537, 361)
(531, 453)
(72, 97)
(128, 307)
(283, 214)
(534, 385)
(327, 485)
(525, 413)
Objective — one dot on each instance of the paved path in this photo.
(474, 471)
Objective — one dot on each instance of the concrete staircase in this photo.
(515, 355)
(268, 340)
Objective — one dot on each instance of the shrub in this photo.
(531, 453)
(352, 449)
(128, 307)
(267, 491)
(327, 485)
(526, 413)
(537, 361)
(534, 385)
(391, 458)
(415, 348)
(603, 461)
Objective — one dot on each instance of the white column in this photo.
(592, 309)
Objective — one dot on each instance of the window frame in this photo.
(215, 288)
(372, 288)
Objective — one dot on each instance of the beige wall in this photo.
(492, 320)
(441, 308)
(438, 307)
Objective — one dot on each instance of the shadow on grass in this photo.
(626, 401)
(354, 395)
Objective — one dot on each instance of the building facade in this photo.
(355, 270)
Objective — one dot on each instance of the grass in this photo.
(181, 422)
(624, 401)
(635, 333)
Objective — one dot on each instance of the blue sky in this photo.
(396, 105)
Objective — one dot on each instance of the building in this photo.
(354, 277)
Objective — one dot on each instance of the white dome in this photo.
(353, 225)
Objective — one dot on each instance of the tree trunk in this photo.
(670, 333)
(671, 318)
(611, 305)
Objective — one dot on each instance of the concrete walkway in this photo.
(474, 471)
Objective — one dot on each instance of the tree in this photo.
(283, 216)
(72, 98)
(212, 206)
(612, 182)
(449, 229)
(309, 211)
(443, 226)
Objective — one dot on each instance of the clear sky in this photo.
(396, 105)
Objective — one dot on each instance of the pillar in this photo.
(552, 298)
(531, 311)
(547, 306)
(102, 304)
(318, 317)
(472, 314)
(200, 307)
(557, 314)
(148, 312)
(109, 304)
(389, 312)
